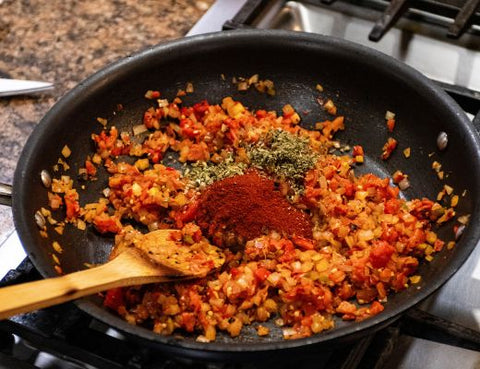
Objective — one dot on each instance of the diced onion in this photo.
(389, 115)
(66, 152)
(138, 129)
(404, 184)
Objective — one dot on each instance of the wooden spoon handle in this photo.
(47, 292)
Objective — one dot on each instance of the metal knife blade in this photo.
(10, 87)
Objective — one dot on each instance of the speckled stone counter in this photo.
(66, 41)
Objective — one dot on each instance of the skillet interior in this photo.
(363, 84)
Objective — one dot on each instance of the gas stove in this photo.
(441, 39)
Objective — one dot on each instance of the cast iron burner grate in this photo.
(458, 16)
(73, 337)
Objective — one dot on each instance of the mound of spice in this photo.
(240, 208)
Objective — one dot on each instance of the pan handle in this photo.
(5, 194)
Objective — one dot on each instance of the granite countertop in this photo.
(66, 41)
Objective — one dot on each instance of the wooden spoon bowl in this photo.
(151, 258)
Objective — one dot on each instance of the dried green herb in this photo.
(203, 174)
(285, 155)
(280, 153)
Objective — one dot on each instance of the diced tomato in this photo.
(106, 224)
(382, 292)
(359, 271)
(392, 206)
(381, 253)
(150, 119)
(337, 276)
(357, 151)
(349, 189)
(91, 169)
(235, 272)
(195, 300)
(376, 307)
(345, 291)
(114, 298)
(187, 214)
(330, 127)
(389, 234)
(303, 243)
(72, 205)
(366, 295)
(188, 128)
(388, 148)
(398, 176)
(400, 282)
(152, 94)
(261, 274)
(438, 245)
(416, 238)
(200, 109)
(188, 321)
(192, 230)
(340, 210)
(289, 252)
(261, 114)
(156, 156)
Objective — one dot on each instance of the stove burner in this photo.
(456, 15)
(465, 15)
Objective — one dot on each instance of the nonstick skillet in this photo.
(363, 83)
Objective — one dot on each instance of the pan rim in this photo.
(471, 236)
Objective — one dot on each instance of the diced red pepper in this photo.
(114, 299)
(388, 148)
(392, 206)
(235, 272)
(389, 234)
(150, 119)
(91, 169)
(261, 114)
(200, 109)
(72, 205)
(381, 253)
(303, 243)
(376, 307)
(106, 224)
(187, 214)
(152, 94)
(357, 151)
(188, 128)
(261, 274)
(390, 124)
(188, 321)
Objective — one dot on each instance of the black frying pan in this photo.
(362, 82)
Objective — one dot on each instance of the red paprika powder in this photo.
(248, 206)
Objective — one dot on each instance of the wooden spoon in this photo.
(150, 258)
